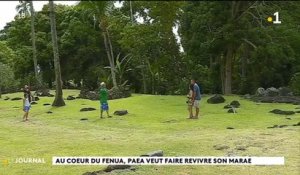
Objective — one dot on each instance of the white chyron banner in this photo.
(167, 160)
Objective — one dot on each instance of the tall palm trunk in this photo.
(131, 13)
(109, 52)
(58, 101)
(112, 60)
(33, 44)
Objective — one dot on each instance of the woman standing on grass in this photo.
(190, 102)
(26, 106)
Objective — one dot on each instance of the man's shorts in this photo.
(196, 103)
(26, 108)
(104, 106)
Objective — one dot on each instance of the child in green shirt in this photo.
(103, 96)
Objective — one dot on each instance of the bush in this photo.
(8, 83)
(183, 87)
(295, 83)
(246, 86)
(93, 76)
(203, 76)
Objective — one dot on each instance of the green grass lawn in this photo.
(153, 123)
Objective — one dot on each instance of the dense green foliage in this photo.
(7, 80)
(255, 52)
(228, 46)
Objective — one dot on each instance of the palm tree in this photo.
(25, 8)
(131, 14)
(100, 9)
(58, 101)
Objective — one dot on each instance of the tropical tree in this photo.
(152, 43)
(6, 77)
(7, 57)
(231, 36)
(23, 9)
(58, 101)
(122, 67)
(26, 8)
(100, 9)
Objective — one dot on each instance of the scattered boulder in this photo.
(158, 153)
(232, 110)
(271, 92)
(229, 128)
(84, 119)
(16, 98)
(281, 112)
(278, 99)
(273, 95)
(49, 112)
(278, 126)
(228, 107)
(33, 103)
(42, 92)
(241, 148)
(220, 147)
(274, 126)
(282, 126)
(6, 98)
(288, 118)
(247, 96)
(119, 92)
(216, 99)
(70, 97)
(50, 95)
(285, 91)
(170, 121)
(87, 109)
(46, 104)
(121, 112)
(260, 92)
(110, 168)
(36, 98)
(298, 124)
(86, 94)
(235, 104)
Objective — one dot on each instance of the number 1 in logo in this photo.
(277, 21)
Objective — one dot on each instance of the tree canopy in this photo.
(228, 46)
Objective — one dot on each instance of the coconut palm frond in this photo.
(98, 7)
(23, 8)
